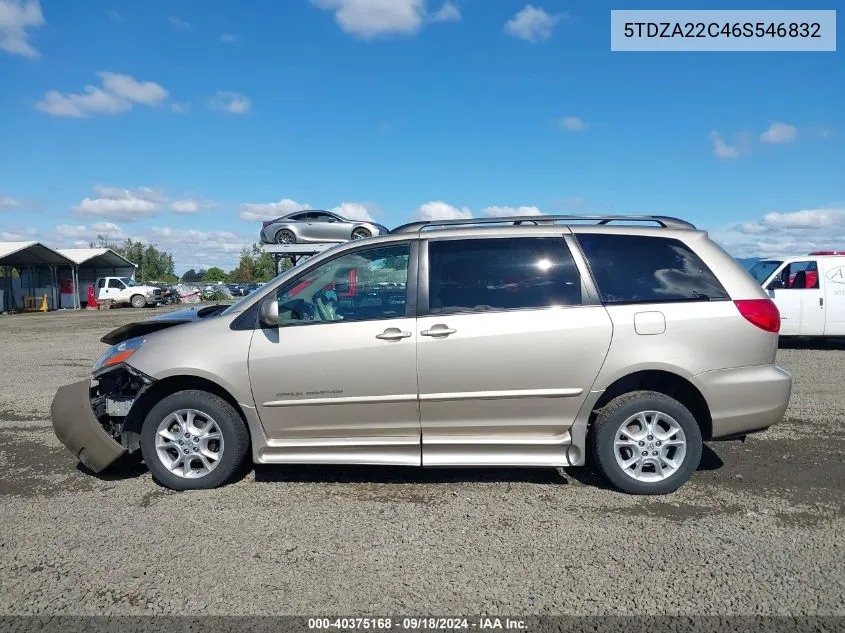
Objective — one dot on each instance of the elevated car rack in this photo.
(663, 221)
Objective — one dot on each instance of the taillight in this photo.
(266, 224)
(761, 312)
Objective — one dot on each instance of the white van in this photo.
(809, 291)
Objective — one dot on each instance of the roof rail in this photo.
(664, 221)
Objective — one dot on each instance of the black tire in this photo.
(138, 301)
(234, 432)
(285, 237)
(360, 233)
(608, 424)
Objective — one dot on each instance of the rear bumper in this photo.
(745, 399)
(79, 430)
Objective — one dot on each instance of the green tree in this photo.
(256, 265)
(215, 274)
(152, 264)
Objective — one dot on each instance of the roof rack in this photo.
(664, 221)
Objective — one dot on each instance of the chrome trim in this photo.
(349, 400)
(502, 395)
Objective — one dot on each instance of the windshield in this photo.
(129, 282)
(762, 270)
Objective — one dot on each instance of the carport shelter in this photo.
(38, 269)
(89, 264)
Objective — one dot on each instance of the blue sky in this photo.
(186, 122)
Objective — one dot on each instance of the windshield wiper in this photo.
(701, 295)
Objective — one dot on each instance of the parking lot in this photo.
(760, 529)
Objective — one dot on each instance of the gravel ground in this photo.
(760, 529)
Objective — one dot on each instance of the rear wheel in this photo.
(360, 234)
(193, 440)
(138, 301)
(646, 443)
(285, 237)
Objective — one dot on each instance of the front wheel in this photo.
(193, 440)
(360, 234)
(646, 443)
(138, 301)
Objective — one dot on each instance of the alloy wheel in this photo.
(189, 443)
(650, 446)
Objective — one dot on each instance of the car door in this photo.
(114, 289)
(337, 382)
(328, 227)
(509, 345)
(833, 280)
(101, 289)
(797, 291)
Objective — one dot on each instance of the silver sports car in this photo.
(317, 226)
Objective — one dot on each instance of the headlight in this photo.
(117, 354)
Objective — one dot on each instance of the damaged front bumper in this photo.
(89, 415)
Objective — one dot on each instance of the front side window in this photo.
(799, 276)
(364, 285)
(115, 283)
(761, 270)
(645, 268)
(501, 274)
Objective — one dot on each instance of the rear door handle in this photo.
(393, 334)
(438, 330)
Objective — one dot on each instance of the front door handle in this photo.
(393, 334)
(438, 330)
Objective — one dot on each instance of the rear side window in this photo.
(639, 268)
(501, 274)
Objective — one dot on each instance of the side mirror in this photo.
(268, 312)
(775, 284)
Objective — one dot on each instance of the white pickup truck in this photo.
(126, 290)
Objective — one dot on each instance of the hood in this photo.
(161, 322)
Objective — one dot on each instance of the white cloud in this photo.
(9, 204)
(189, 205)
(185, 206)
(720, 148)
(371, 18)
(13, 234)
(229, 38)
(133, 204)
(139, 193)
(179, 23)
(126, 87)
(16, 16)
(785, 233)
(353, 211)
(232, 102)
(126, 209)
(118, 94)
(506, 211)
(573, 123)
(90, 233)
(532, 24)
(92, 101)
(439, 210)
(447, 13)
(779, 133)
(181, 108)
(254, 212)
(199, 249)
